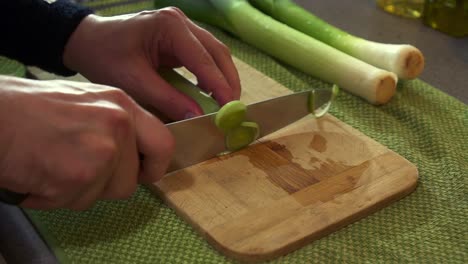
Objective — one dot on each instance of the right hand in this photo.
(69, 144)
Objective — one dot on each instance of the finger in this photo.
(99, 160)
(78, 201)
(84, 184)
(79, 198)
(155, 143)
(123, 181)
(221, 56)
(157, 113)
(161, 95)
(194, 56)
(116, 162)
(169, 61)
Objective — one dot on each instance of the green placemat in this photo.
(421, 123)
(11, 67)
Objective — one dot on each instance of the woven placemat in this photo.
(421, 123)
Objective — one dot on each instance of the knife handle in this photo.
(12, 198)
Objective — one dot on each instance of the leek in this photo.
(231, 115)
(292, 46)
(404, 60)
(204, 100)
(323, 109)
(230, 118)
(238, 132)
(242, 136)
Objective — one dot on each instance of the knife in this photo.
(198, 139)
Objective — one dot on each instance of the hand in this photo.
(126, 51)
(69, 144)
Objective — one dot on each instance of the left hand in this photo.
(126, 51)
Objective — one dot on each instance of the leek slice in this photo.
(242, 135)
(323, 109)
(231, 115)
(238, 132)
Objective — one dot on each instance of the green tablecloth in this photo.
(424, 125)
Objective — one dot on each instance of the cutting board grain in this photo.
(289, 188)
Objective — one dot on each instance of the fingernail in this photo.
(189, 115)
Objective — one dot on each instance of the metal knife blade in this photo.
(198, 139)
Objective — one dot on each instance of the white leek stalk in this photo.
(404, 60)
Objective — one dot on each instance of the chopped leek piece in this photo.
(242, 135)
(230, 115)
(323, 109)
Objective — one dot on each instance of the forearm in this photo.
(35, 32)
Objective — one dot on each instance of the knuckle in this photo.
(171, 13)
(106, 150)
(175, 11)
(118, 120)
(120, 97)
(97, 158)
(206, 60)
(82, 176)
(178, 10)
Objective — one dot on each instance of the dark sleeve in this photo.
(35, 32)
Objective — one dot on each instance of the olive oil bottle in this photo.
(448, 16)
(404, 8)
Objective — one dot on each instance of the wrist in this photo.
(75, 51)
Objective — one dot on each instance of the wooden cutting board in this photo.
(289, 188)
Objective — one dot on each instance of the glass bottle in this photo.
(448, 16)
(404, 8)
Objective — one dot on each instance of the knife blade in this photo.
(198, 139)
